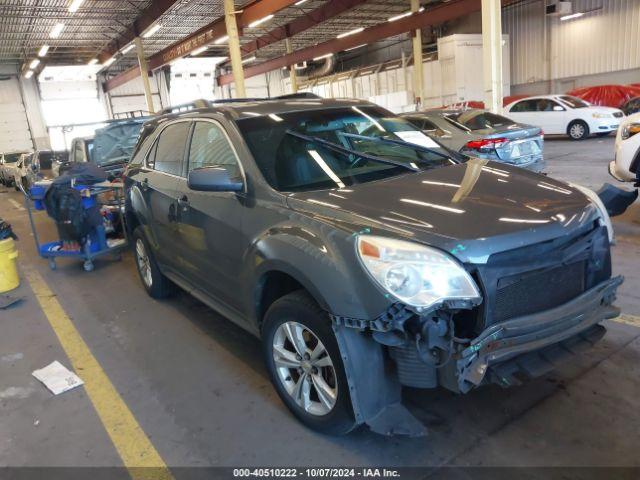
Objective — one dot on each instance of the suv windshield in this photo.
(292, 152)
(574, 102)
(478, 120)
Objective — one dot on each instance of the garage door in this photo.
(14, 128)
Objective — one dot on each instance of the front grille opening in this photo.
(466, 322)
(537, 291)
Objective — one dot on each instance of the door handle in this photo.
(183, 203)
(144, 184)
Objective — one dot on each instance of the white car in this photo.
(627, 163)
(26, 170)
(8, 167)
(565, 115)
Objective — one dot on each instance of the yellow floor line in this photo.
(134, 447)
(628, 319)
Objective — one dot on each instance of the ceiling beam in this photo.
(299, 25)
(431, 16)
(204, 36)
(148, 17)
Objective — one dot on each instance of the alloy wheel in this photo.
(304, 368)
(144, 265)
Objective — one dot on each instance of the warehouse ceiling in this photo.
(25, 26)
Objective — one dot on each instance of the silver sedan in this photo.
(483, 134)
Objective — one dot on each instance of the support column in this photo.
(492, 54)
(234, 47)
(293, 76)
(144, 74)
(418, 81)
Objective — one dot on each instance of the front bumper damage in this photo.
(504, 341)
(426, 355)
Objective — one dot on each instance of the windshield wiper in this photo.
(348, 151)
(402, 143)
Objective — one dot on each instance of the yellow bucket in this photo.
(8, 269)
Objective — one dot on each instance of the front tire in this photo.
(578, 130)
(155, 283)
(304, 362)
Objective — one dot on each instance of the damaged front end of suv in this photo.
(463, 318)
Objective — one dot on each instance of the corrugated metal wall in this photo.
(607, 39)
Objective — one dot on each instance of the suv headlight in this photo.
(601, 115)
(629, 130)
(595, 199)
(415, 274)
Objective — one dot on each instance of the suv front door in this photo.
(209, 223)
(158, 182)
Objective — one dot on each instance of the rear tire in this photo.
(578, 130)
(312, 385)
(155, 283)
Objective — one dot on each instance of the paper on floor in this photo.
(57, 378)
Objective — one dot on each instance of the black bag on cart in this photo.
(64, 203)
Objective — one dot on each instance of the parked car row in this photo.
(367, 255)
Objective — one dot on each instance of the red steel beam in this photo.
(431, 16)
(205, 35)
(311, 19)
(147, 18)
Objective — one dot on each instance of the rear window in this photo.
(479, 120)
(574, 102)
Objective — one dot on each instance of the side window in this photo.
(429, 125)
(77, 152)
(169, 154)
(210, 147)
(524, 106)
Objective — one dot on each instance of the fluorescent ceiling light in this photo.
(573, 15)
(93, 61)
(34, 63)
(300, 2)
(75, 5)
(260, 21)
(43, 50)
(56, 30)
(249, 59)
(356, 47)
(109, 62)
(29, 74)
(324, 56)
(152, 30)
(275, 117)
(198, 51)
(126, 50)
(351, 32)
(222, 39)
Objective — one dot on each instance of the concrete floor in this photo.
(197, 386)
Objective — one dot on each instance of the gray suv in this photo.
(364, 254)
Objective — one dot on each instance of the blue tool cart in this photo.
(107, 236)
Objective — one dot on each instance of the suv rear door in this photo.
(209, 223)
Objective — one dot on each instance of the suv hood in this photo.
(472, 209)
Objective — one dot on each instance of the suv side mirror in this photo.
(213, 179)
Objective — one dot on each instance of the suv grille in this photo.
(538, 291)
(617, 114)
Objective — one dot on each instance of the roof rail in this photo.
(203, 103)
(185, 107)
(297, 95)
